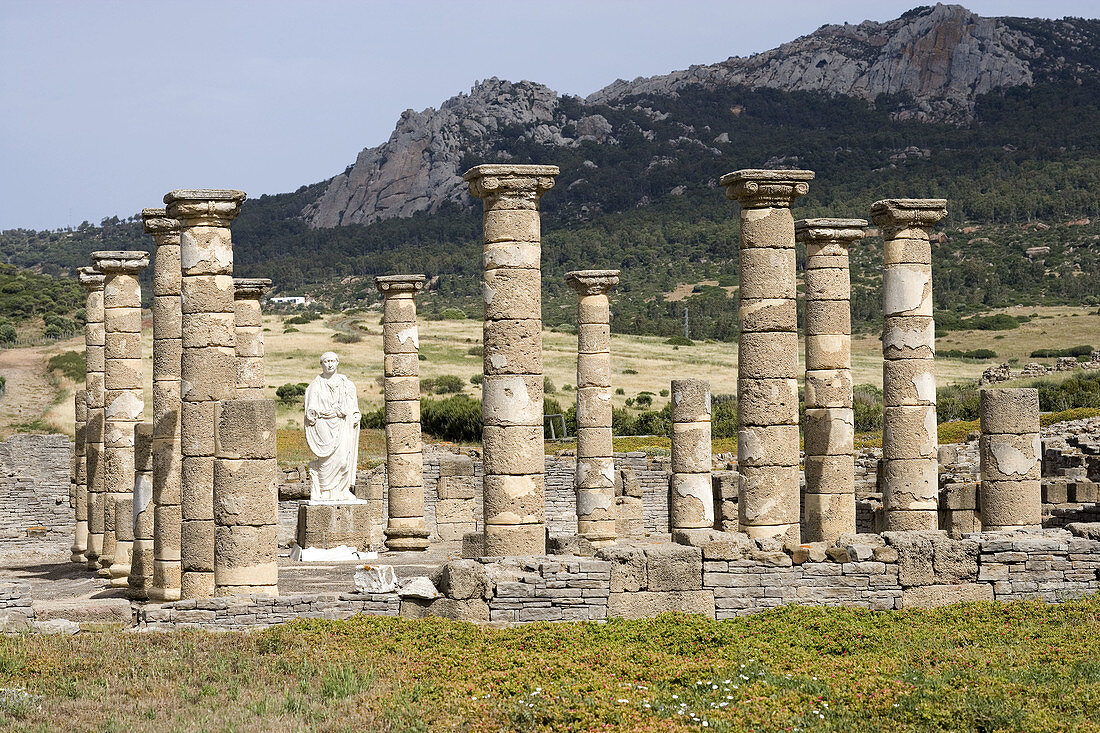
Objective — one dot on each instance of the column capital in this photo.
(390, 285)
(510, 186)
(125, 262)
(592, 282)
(91, 278)
(156, 222)
(758, 189)
(250, 288)
(832, 231)
(893, 215)
(203, 206)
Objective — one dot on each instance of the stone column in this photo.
(124, 398)
(80, 478)
(141, 554)
(405, 528)
(513, 486)
(595, 477)
(246, 500)
(1011, 456)
(767, 354)
(691, 503)
(92, 280)
(208, 366)
(248, 317)
(829, 502)
(909, 440)
(167, 353)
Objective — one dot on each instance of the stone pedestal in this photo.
(767, 354)
(1011, 457)
(909, 437)
(333, 525)
(124, 399)
(208, 366)
(248, 317)
(141, 554)
(512, 389)
(595, 477)
(94, 337)
(246, 500)
(829, 502)
(167, 355)
(691, 499)
(405, 528)
(79, 490)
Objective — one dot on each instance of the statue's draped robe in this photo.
(333, 408)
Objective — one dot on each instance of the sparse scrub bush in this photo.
(456, 418)
(72, 364)
(290, 393)
(346, 338)
(1083, 350)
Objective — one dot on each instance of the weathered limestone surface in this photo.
(909, 439)
(208, 367)
(595, 477)
(167, 356)
(78, 492)
(767, 355)
(249, 335)
(124, 399)
(93, 280)
(1010, 454)
(406, 528)
(513, 487)
(691, 499)
(245, 505)
(141, 554)
(829, 506)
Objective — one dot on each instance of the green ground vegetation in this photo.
(973, 667)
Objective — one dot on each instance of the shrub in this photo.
(71, 363)
(453, 314)
(620, 390)
(346, 338)
(1083, 350)
(375, 419)
(1081, 390)
(448, 384)
(290, 329)
(290, 393)
(972, 354)
(548, 386)
(476, 351)
(7, 333)
(644, 399)
(957, 402)
(630, 371)
(867, 404)
(456, 418)
(664, 393)
(476, 378)
(680, 341)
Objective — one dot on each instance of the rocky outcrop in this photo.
(942, 56)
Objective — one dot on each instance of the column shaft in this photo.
(1011, 460)
(512, 390)
(140, 580)
(595, 476)
(828, 505)
(767, 354)
(79, 490)
(208, 366)
(405, 527)
(691, 497)
(92, 280)
(909, 439)
(248, 318)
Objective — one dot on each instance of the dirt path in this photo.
(29, 391)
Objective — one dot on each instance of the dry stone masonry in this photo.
(124, 399)
(767, 355)
(595, 477)
(208, 366)
(829, 503)
(406, 529)
(909, 438)
(1011, 453)
(79, 492)
(249, 337)
(691, 500)
(94, 337)
(167, 356)
(512, 390)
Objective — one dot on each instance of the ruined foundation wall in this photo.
(34, 493)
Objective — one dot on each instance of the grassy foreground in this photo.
(979, 667)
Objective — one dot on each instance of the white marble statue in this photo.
(332, 433)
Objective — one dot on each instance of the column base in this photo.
(80, 541)
(791, 533)
(406, 540)
(120, 568)
(197, 584)
(95, 546)
(166, 581)
(909, 521)
(515, 539)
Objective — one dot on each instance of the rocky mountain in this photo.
(933, 64)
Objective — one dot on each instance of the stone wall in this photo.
(34, 493)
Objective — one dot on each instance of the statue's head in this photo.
(329, 362)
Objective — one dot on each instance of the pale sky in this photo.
(106, 105)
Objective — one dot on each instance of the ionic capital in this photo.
(163, 229)
(91, 278)
(126, 262)
(204, 206)
(830, 231)
(894, 215)
(759, 189)
(510, 186)
(250, 288)
(391, 285)
(592, 282)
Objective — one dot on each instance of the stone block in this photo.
(456, 464)
(767, 314)
(513, 346)
(828, 316)
(331, 525)
(1009, 457)
(646, 604)
(1009, 410)
(767, 401)
(570, 544)
(511, 294)
(907, 290)
(674, 568)
(454, 511)
(401, 388)
(514, 539)
(829, 431)
(909, 382)
(772, 355)
(245, 555)
(909, 432)
(767, 272)
(828, 351)
(691, 447)
(915, 556)
(954, 561)
(909, 338)
(246, 429)
(458, 487)
(910, 485)
(514, 499)
(245, 492)
(401, 365)
(513, 400)
(828, 285)
(691, 501)
(829, 388)
(402, 411)
(769, 445)
(830, 474)
(768, 495)
(1009, 504)
(628, 567)
(932, 596)
(473, 610)
(473, 545)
